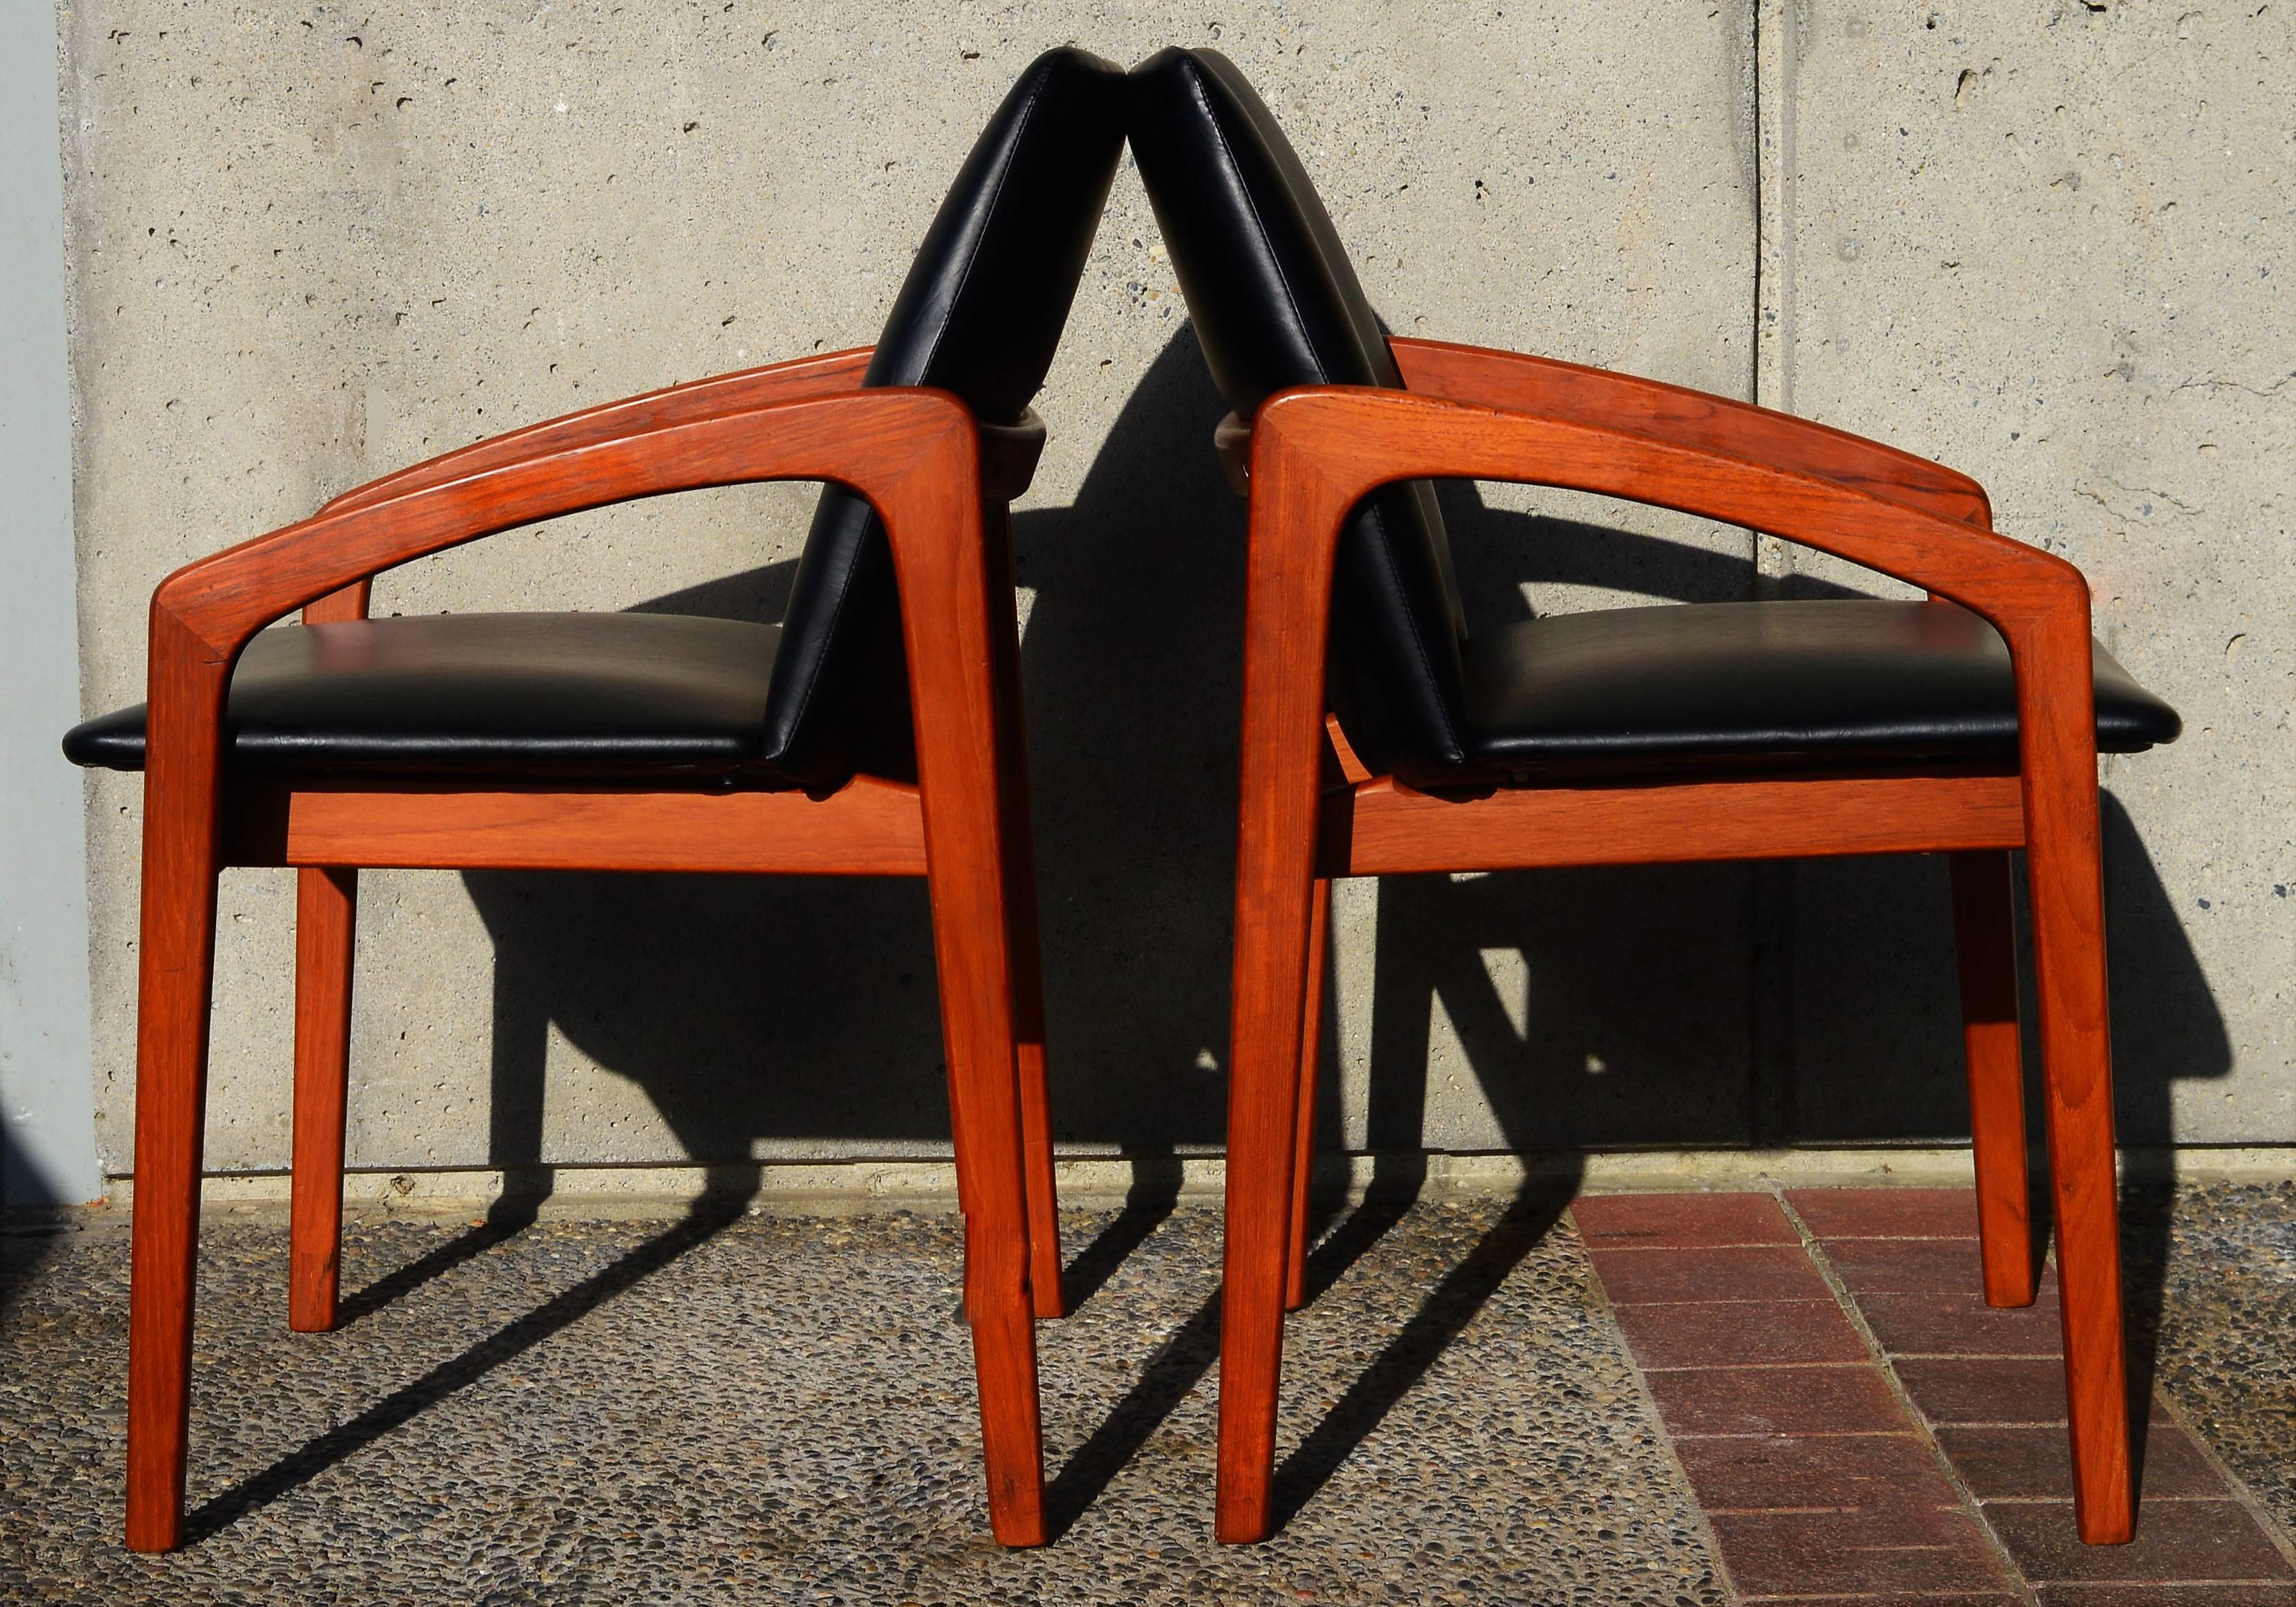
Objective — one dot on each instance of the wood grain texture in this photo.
(948, 625)
(717, 396)
(2064, 870)
(1023, 940)
(914, 455)
(1314, 453)
(1311, 1049)
(869, 826)
(1386, 828)
(1986, 954)
(1542, 385)
(326, 919)
(175, 974)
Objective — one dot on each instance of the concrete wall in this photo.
(309, 245)
(48, 1148)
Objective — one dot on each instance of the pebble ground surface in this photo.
(766, 1409)
(761, 1409)
(2223, 1259)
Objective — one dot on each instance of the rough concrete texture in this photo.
(783, 1410)
(313, 245)
(2051, 245)
(310, 245)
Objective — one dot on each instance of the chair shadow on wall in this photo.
(1599, 1008)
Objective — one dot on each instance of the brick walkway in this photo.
(1860, 1426)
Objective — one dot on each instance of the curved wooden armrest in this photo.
(1597, 396)
(1318, 451)
(1347, 442)
(822, 376)
(871, 440)
(1524, 384)
(826, 375)
(913, 453)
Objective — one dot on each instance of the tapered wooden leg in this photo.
(1985, 943)
(1024, 945)
(326, 913)
(1286, 614)
(2065, 872)
(1036, 1133)
(955, 589)
(1311, 1048)
(177, 970)
(1272, 922)
(984, 1095)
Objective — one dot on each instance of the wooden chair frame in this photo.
(1310, 812)
(941, 484)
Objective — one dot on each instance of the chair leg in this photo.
(1023, 941)
(990, 1166)
(1273, 921)
(1985, 945)
(1037, 1140)
(177, 974)
(326, 914)
(1311, 1048)
(2066, 874)
(1024, 949)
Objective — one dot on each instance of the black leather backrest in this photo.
(980, 314)
(1276, 302)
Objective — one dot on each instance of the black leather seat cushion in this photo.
(1637, 690)
(568, 696)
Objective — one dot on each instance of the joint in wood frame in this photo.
(1009, 455)
(1232, 440)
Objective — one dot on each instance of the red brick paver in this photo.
(2032, 1463)
(1759, 1271)
(1671, 1221)
(1820, 1484)
(1853, 1400)
(2168, 1595)
(1736, 1333)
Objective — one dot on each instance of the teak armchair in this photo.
(1718, 731)
(876, 732)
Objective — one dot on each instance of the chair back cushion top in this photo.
(1276, 302)
(980, 314)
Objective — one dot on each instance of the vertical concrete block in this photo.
(2048, 246)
